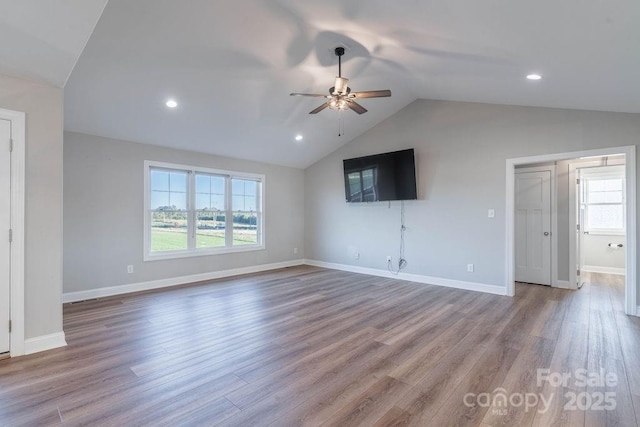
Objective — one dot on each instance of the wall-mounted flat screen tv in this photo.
(381, 177)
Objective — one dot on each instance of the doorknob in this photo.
(546, 233)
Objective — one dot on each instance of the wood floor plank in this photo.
(570, 354)
(484, 377)
(522, 380)
(326, 401)
(371, 405)
(440, 378)
(395, 417)
(312, 346)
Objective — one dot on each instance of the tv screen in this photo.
(381, 177)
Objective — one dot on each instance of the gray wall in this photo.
(43, 240)
(461, 151)
(597, 253)
(103, 221)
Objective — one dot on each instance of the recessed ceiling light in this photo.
(534, 77)
(298, 137)
(171, 103)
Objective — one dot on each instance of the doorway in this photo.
(630, 217)
(599, 215)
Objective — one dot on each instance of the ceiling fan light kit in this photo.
(340, 96)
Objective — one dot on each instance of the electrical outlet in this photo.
(470, 268)
(129, 269)
(295, 251)
(389, 258)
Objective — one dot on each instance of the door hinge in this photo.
(10, 235)
(577, 181)
(9, 326)
(10, 145)
(578, 272)
(578, 227)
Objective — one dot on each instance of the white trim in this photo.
(638, 311)
(574, 263)
(603, 270)
(418, 278)
(563, 284)
(202, 252)
(630, 257)
(172, 281)
(193, 251)
(44, 342)
(18, 135)
(553, 217)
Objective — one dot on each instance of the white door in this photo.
(5, 224)
(533, 227)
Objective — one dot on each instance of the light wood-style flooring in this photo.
(309, 346)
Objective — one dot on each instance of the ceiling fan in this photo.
(340, 96)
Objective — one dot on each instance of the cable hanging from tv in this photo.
(402, 262)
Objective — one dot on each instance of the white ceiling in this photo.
(232, 64)
(41, 40)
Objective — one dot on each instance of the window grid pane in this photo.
(605, 217)
(168, 231)
(210, 232)
(245, 228)
(210, 193)
(604, 204)
(168, 190)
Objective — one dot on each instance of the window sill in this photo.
(159, 256)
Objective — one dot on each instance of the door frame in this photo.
(574, 211)
(553, 218)
(631, 307)
(17, 270)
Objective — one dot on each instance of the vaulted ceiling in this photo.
(42, 40)
(231, 65)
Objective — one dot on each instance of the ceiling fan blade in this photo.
(320, 108)
(316, 95)
(372, 94)
(356, 107)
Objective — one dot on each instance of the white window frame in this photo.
(193, 251)
(605, 172)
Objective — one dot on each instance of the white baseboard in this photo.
(563, 284)
(181, 280)
(172, 281)
(44, 342)
(603, 270)
(458, 284)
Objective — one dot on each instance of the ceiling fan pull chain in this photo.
(340, 123)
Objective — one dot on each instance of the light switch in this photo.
(492, 213)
